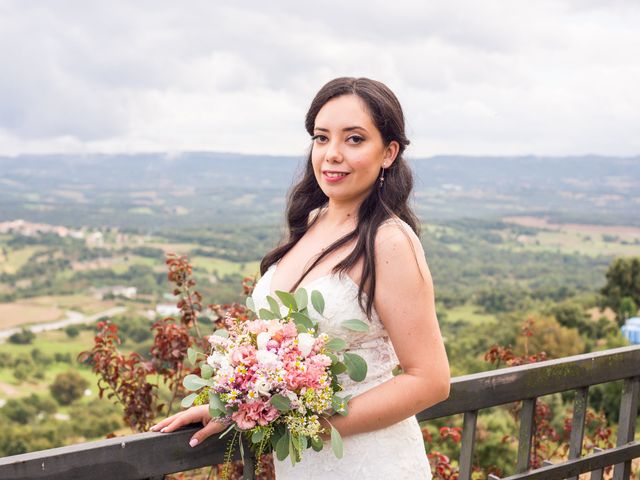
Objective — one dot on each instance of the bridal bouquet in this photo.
(272, 378)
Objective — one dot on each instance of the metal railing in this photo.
(152, 455)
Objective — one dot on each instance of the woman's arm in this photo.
(404, 300)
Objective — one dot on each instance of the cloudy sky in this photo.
(474, 77)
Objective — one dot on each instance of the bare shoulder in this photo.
(397, 246)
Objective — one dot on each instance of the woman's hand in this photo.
(191, 415)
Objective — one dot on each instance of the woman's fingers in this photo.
(164, 422)
(192, 415)
(201, 435)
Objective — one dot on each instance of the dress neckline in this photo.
(272, 271)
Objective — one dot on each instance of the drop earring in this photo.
(382, 175)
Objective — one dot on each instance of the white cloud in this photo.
(490, 77)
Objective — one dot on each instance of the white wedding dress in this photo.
(396, 452)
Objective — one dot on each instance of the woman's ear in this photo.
(390, 153)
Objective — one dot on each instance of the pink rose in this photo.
(258, 412)
(243, 354)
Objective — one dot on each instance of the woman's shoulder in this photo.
(397, 242)
(394, 228)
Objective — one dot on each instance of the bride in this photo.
(353, 237)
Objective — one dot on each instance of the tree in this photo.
(572, 315)
(72, 331)
(552, 338)
(23, 337)
(623, 280)
(628, 308)
(68, 387)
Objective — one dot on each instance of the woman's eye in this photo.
(319, 138)
(356, 139)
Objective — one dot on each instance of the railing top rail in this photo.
(505, 385)
(153, 454)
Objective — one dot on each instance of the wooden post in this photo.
(468, 444)
(527, 429)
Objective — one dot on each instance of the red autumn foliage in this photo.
(124, 377)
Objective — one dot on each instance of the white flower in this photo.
(266, 358)
(293, 398)
(225, 367)
(262, 339)
(215, 359)
(305, 343)
(262, 386)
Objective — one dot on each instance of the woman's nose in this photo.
(333, 153)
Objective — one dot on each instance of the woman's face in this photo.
(348, 150)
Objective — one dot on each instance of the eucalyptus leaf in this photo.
(273, 306)
(281, 402)
(338, 368)
(292, 450)
(250, 305)
(288, 300)
(206, 370)
(316, 443)
(302, 298)
(317, 300)
(355, 325)
(258, 435)
(215, 413)
(356, 366)
(241, 448)
(221, 332)
(302, 319)
(216, 403)
(194, 382)
(282, 447)
(265, 314)
(188, 400)
(336, 442)
(336, 344)
(191, 355)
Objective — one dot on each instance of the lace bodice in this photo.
(341, 303)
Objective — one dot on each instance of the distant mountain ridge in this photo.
(155, 191)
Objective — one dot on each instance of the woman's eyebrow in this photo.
(346, 129)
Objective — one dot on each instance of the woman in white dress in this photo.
(353, 237)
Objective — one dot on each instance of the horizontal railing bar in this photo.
(506, 385)
(133, 457)
(581, 465)
(150, 454)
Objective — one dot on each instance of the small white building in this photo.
(631, 330)
(95, 239)
(167, 309)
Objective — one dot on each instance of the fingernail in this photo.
(163, 429)
(153, 428)
(193, 442)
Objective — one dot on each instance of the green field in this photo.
(17, 258)
(469, 313)
(225, 267)
(576, 243)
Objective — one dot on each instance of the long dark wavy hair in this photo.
(383, 202)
